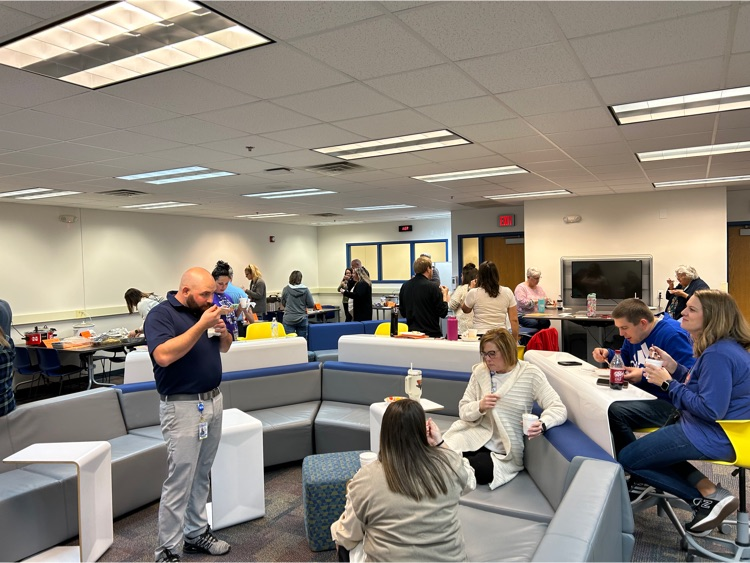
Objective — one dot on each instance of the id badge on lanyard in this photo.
(202, 424)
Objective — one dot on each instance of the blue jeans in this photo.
(531, 322)
(624, 416)
(182, 510)
(660, 459)
(299, 327)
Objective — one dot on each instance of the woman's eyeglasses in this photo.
(491, 354)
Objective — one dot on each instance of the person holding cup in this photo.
(501, 390)
(531, 298)
(404, 505)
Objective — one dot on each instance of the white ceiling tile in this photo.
(396, 161)
(734, 158)
(34, 160)
(632, 188)
(339, 102)
(459, 154)
(662, 82)
(588, 18)
(127, 141)
(575, 120)
(550, 99)
(199, 156)
(738, 74)
(669, 127)
(742, 30)
(518, 144)
(489, 161)
(269, 71)
(260, 146)
(245, 166)
(658, 44)
(734, 119)
(467, 112)
(96, 169)
(258, 117)
(187, 130)
(674, 142)
(55, 178)
(600, 149)
(180, 92)
(588, 137)
(528, 157)
(677, 173)
(389, 124)
(24, 89)
(618, 158)
(139, 164)
(390, 49)
(316, 136)
(426, 86)
(12, 169)
(464, 30)
(51, 9)
(527, 68)
(12, 19)
(17, 141)
(76, 152)
(32, 122)
(733, 135)
(545, 168)
(494, 131)
(99, 108)
(298, 159)
(286, 20)
(701, 161)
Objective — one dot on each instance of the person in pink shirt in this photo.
(528, 294)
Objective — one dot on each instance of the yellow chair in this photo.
(384, 329)
(257, 331)
(520, 351)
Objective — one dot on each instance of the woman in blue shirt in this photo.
(716, 388)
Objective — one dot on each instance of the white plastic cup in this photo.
(212, 332)
(366, 458)
(654, 362)
(471, 334)
(243, 302)
(528, 419)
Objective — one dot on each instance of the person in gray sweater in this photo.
(404, 506)
(296, 299)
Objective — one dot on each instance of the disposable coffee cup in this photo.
(528, 420)
(365, 458)
(212, 332)
(243, 302)
(541, 305)
(654, 362)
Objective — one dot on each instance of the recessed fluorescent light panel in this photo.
(379, 207)
(707, 150)
(24, 192)
(126, 40)
(334, 223)
(700, 182)
(396, 145)
(528, 194)
(187, 174)
(682, 106)
(266, 215)
(158, 205)
(290, 193)
(45, 195)
(468, 174)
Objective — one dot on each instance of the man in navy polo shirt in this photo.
(185, 336)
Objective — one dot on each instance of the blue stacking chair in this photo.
(49, 362)
(25, 366)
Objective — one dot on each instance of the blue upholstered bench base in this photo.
(324, 478)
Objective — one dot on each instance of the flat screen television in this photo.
(611, 278)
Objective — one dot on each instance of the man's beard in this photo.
(193, 306)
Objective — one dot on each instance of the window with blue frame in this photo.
(391, 262)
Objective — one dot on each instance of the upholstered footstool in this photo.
(324, 478)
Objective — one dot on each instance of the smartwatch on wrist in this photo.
(544, 428)
(665, 384)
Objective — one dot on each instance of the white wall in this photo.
(675, 227)
(332, 248)
(52, 269)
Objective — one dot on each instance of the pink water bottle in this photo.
(452, 323)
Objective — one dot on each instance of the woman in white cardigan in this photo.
(501, 389)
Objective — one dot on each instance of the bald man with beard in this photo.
(187, 369)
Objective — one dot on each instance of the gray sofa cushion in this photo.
(341, 427)
(32, 513)
(6, 448)
(287, 431)
(140, 408)
(520, 498)
(267, 388)
(497, 537)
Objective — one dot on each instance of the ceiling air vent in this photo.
(123, 193)
(278, 171)
(325, 215)
(336, 168)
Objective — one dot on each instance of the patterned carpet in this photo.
(280, 536)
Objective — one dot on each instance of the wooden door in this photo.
(738, 262)
(509, 259)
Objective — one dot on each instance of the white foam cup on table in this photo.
(528, 420)
(471, 334)
(365, 458)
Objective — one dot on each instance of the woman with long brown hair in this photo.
(404, 506)
(492, 303)
(141, 302)
(717, 387)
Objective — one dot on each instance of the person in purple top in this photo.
(222, 299)
(716, 388)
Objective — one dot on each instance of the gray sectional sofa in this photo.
(566, 506)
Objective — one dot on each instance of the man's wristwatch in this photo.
(665, 385)
(544, 428)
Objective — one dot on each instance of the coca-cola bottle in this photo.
(616, 371)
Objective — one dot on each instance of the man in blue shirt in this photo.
(187, 369)
(641, 330)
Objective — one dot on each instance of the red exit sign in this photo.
(404, 228)
(506, 220)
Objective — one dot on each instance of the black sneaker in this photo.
(710, 511)
(206, 543)
(167, 555)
